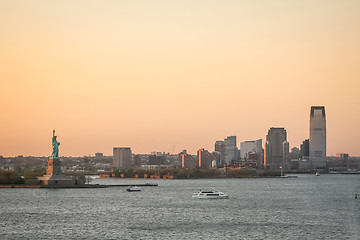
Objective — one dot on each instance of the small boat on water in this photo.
(133, 189)
(317, 174)
(210, 194)
(282, 173)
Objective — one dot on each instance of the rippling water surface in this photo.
(307, 207)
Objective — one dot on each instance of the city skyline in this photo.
(232, 141)
(168, 76)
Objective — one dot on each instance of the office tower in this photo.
(251, 147)
(231, 151)
(122, 157)
(274, 148)
(317, 143)
(252, 150)
(220, 147)
(187, 161)
(204, 158)
(285, 152)
(304, 149)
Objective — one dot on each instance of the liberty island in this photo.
(54, 176)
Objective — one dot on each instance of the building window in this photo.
(317, 153)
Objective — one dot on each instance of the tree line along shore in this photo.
(18, 175)
(189, 173)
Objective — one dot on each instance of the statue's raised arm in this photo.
(55, 146)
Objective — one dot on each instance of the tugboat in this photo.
(133, 189)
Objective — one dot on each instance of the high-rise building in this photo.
(204, 158)
(317, 141)
(276, 150)
(253, 149)
(187, 161)
(122, 157)
(231, 151)
(250, 146)
(220, 147)
(304, 149)
(286, 155)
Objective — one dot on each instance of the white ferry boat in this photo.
(210, 194)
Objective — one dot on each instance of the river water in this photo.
(307, 207)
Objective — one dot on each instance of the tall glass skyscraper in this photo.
(276, 148)
(230, 149)
(317, 144)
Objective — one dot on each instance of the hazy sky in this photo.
(173, 75)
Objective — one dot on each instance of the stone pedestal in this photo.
(54, 176)
(54, 167)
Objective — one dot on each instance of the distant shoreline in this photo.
(44, 186)
(77, 186)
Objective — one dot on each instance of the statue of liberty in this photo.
(55, 146)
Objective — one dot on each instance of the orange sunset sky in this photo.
(164, 75)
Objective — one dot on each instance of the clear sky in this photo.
(164, 75)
